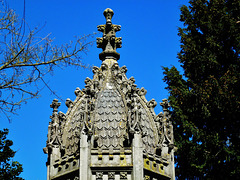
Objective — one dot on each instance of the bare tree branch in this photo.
(25, 59)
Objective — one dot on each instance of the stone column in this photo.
(137, 154)
(172, 166)
(55, 154)
(83, 162)
(48, 172)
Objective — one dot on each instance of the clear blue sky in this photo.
(149, 32)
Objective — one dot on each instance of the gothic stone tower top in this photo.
(110, 130)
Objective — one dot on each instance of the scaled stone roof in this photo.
(110, 119)
(110, 109)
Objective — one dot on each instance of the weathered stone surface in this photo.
(137, 157)
(110, 130)
(109, 42)
(110, 119)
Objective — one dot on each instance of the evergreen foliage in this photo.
(9, 169)
(206, 99)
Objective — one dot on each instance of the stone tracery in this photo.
(109, 112)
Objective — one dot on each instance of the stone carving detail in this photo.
(55, 128)
(165, 129)
(99, 175)
(55, 104)
(111, 175)
(110, 121)
(108, 113)
(78, 92)
(69, 103)
(123, 175)
(89, 88)
(134, 116)
(109, 42)
(142, 93)
(137, 115)
(146, 177)
(152, 104)
(77, 122)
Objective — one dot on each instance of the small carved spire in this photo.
(109, 42)
(108, 13)
(165, 105)
(55, 104)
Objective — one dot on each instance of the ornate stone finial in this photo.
(108, 13)
(109, 42)
(165, 105)
(55, 104)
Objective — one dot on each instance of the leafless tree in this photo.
(25, 59)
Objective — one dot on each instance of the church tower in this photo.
(110, 131)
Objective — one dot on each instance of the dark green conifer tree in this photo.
(9, 169)
(205, 100)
